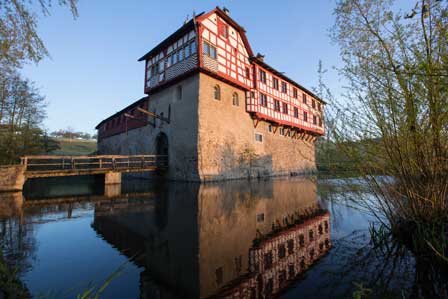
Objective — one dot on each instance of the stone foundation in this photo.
(12, 178)
(211, 140)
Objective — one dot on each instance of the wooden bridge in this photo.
(112, 166)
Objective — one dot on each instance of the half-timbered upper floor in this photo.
(215, 44)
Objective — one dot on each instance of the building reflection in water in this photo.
(227, 240)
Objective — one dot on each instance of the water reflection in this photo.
(228, 240)
(232, 240)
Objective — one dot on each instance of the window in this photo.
(258, 137)
(296, 112)
(313, 103)
(263, 100)
(268, 260)
(270, 128)
(319, 107)
(284, 87)
(263, 76)
(217, 93)
(314, 120)
(294, 93)
(311, 235)
(179, 92)
(275, 83)
(304, 98)
(282, 131)
(209, 50)
(168, 61)
(235, 100)
(301, 240)
(247, 73)
(193, 47)
(281, 251)
(187, 51)
(276, 105)
(260, 217)
(224, 30)
(181, 54)
(290, 245)
(285, 108)
(305, 116)
(320, 229)
(206, 48)
(161, 66)
(174, 57)
(212, 52)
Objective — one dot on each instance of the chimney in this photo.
(224, 9)
(260, 57)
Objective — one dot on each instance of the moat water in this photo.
(301, 237)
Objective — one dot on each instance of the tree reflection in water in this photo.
(239, 239)
(369, 257)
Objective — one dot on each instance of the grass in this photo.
(75, 147)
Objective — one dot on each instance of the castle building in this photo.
(217, 110)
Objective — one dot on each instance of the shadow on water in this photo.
(280, 238)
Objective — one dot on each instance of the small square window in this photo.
(258, 137)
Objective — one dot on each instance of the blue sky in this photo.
(93, 70)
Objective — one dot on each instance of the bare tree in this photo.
(396, 107)
(19, 41)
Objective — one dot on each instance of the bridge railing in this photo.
(93, 163)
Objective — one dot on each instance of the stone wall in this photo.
(12, 178)
(181, 131)
(227, 148)
(213, 140)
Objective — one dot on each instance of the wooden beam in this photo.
(167, 120)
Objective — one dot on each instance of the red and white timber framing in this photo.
(213, 43)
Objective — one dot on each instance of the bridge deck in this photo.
(51, 166)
